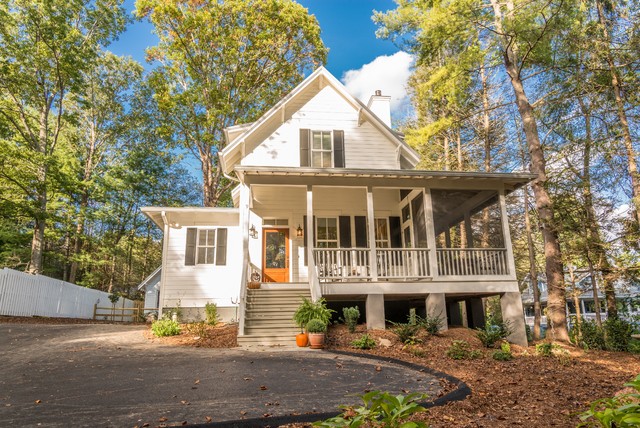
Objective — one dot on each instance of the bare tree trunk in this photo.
(556, 305)
(533, 268)
(446, 153)
(459, 149)
(486, 135)
(596, 298)
(616, 85)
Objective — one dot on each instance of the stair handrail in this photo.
(314, 281)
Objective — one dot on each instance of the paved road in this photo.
(111, 376)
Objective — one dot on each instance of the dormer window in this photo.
(321, 148)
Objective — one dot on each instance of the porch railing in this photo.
(403, 263)
(472, 261)
(341, 264)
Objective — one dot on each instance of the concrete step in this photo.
(275, 307)
(258, 332)
(272, 340)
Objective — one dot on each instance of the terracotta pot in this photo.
(302, 340)
(316, 340)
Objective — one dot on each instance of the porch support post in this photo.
(373, 261)
(475, 312)
(512, 312)
(245, 216)
(375, 311)
(436, 308)
(507, 235)
(311, 264)
(467, 229)
(431, 242)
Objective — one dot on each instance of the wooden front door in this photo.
(275, 255)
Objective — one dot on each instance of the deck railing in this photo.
(403, 263)
(341, 264)
(472, 261)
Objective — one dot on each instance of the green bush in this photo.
(364, 342)
(431, 323)
(165, 327)
(545, 349)
(461, 350)
(634, 346)
(197, 329)
(211, 312)
(504, 354)
(617, 334)
(351, 316)
(379, 409)
(309, 310)
(621, 411)
(492, 333)
(591, 335)
(316, 326)
(407, 333)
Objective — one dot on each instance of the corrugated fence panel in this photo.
(27, 295)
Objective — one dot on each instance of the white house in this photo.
(328, 204)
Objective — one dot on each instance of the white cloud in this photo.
(388, 73)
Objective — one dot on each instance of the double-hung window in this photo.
(321, 149)
(327, 232)
(382, 233)
(206, 246)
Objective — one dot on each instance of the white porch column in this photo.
(373, 262)
(314, 286)
(375, 312)
(431, 241)
(511, 305)
(507, 235)
(245, 216)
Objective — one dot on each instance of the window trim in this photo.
(313, 151)
(217, 252)
(327, 241)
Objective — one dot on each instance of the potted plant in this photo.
(316, 330)
(307, 311)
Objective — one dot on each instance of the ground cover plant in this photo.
(165, 327)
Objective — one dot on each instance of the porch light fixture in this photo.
(299, 231)
(253, 232)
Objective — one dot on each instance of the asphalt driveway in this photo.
(102, 375)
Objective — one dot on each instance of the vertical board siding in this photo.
(27, 295)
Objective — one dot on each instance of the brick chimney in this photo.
(380, 105)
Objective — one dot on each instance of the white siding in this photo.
(194, 286)
(365, 146)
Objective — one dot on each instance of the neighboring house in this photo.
(328, 204)
(150, 286)
(627, 297)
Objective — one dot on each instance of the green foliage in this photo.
(431, 323)
(309, 310)
(406, 332)
(165, 327)
(364, 342)
(545, 349)
(492, 333)
(590, 335)
(351, 316)
(379, 409)
(113, 298)
(504, 354)
(461, 350)
(634, 346)
(211, 312)
(316, 325)
(621, 411)
(617, 334)
(198, 329)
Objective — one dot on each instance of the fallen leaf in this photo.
(185, 402)
(208, 418)
(197, 381)
(247, 378)
(263, 387)
(162, 419)
(38, 401)
(378, 368)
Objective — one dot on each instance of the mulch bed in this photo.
(200, 335)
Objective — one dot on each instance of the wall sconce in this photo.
(253, 232)
(299, 232)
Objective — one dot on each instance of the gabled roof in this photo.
(238, 135)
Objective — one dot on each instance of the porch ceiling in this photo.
(350, 177)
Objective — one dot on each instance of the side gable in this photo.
(319, 103)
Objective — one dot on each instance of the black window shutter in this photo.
(396, 232)
(345, 231)
(304, 148)
(190, 249)
(361, 231)
(338, 149)
(221, 249)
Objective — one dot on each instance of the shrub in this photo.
(592, 335)
(617, 334)
(165, 327)
(461, 350)
(492, 333)
(309, 310)
(620, 411)
(364, 342)
(431, 323)
(351, 316)
(197, 329)
(316, 326)
(504, 354)
(406, 332)
(211, 312)
(545, 349)
(379, 409)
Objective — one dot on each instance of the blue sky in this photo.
(363, 62)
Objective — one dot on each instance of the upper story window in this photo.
(322, 148)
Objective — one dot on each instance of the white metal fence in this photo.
(27, 295)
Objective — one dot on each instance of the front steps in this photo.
(268, 317)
